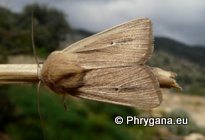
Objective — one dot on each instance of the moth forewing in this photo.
(112, 67)
(131, 86)
(127, 44)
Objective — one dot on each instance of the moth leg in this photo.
(64, 99)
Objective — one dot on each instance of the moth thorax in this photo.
(61, 73)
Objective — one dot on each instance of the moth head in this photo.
(61, 72)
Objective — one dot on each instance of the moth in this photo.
(107, 67)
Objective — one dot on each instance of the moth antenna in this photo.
(34, 47)
(38, 109)
(38, 73)
(38, 98)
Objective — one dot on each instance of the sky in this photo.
(182, 20)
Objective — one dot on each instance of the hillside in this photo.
(195, 54)
(188, 62)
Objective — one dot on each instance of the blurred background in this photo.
(179, 29)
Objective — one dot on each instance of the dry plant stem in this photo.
(27, 73)
(167, 79)
(18, 73)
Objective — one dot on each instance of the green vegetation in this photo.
(15, 30)
(83, 120)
